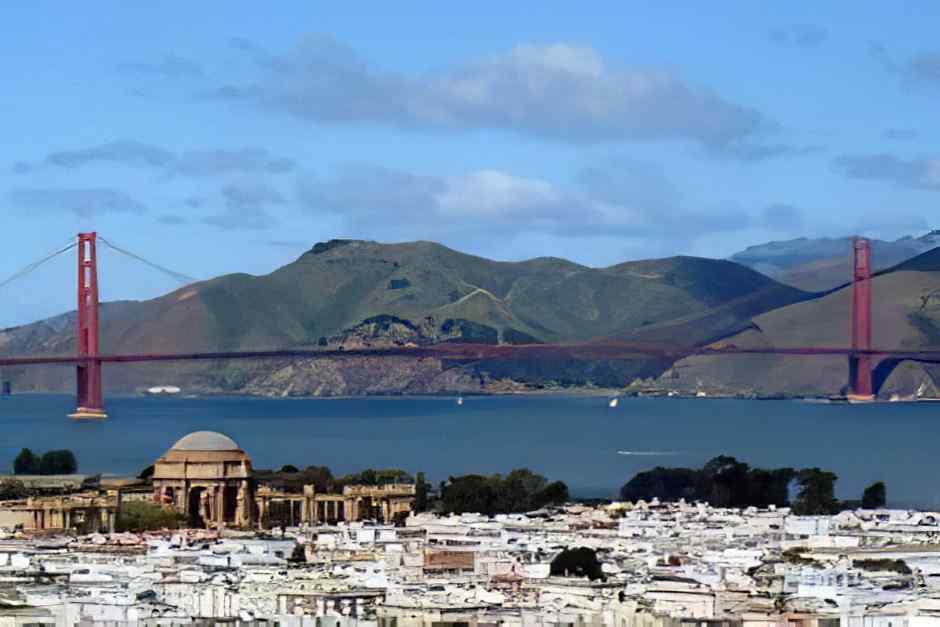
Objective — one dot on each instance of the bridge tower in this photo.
(90, 402)
(860, 383)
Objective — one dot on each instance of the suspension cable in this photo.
(177, 276)
(36, 264)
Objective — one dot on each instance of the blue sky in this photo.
(218, 137)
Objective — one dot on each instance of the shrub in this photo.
(875, 496)
(11, 489)
(61, 462)
(147, 516)
(883, 565)
(580, 562)
(26, 463)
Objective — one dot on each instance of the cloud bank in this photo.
(561, 91)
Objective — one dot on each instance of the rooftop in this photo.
(205, 441)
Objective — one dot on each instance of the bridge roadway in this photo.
(476, 352)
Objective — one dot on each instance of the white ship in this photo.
(160, 390)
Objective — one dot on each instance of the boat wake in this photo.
(649, 453)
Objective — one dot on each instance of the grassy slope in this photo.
(900, 318)
(334, 287)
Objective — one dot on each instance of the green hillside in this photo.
(441, 295)
(905, 315)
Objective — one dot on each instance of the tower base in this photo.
(88, 413)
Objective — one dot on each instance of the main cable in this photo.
(36, 264)
(178, 276)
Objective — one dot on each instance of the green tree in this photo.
(421, 493)
(289, 468)
(147, 516)
(816, 493)
(555, 493)
(875, 496)
(11, 489)
(516, 493)
(26, 463)
(470, 493)
(581, 562)
(147, 473)
(60, 462)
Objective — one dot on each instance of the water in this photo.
(575, 439)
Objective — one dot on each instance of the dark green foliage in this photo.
(321, 247)
(470, 332)
(875, 496)
(883, 565)
(795, 556)
(61, 462)
(289, 468)
(470, 493)
(515, 336)
(26, 463)
(555, 493)
(298, 555)
(11, 489)
(581, 562)
(722, 482)
(384, 322)
(147, 516)
(816, 493)
(147, 473)
(421, 493)
(318, 476)
(520, 491)
(372, 476)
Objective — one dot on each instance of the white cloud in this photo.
(560, 91)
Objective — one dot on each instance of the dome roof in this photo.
(205, 441)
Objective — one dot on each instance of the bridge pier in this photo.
(860, 363)
(89, 399)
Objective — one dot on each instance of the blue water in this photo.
(575, 439)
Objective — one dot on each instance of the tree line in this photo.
(519, 491)
(726, 482)
(59, 462)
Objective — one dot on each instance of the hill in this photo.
(349, 292)
(821, 264)
(905, 314)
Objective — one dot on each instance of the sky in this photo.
(219, 137)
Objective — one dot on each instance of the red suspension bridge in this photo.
(89, 360)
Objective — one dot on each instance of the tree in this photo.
(146, 516)
(147, 473)
(26, 463)
(11, 490)
(469, 493)
(580, 562)
(289, 468)
(816, 493)
(61, 462)
(421, 493)
(555, 493)
(520, 491)
(722, 482)
(875, 496)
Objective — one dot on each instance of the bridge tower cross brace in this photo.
(860, 379)
(90, 402)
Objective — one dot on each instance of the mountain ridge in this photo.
(327, 294)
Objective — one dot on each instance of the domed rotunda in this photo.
(206, 477)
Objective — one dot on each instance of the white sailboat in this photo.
(460, 400)
(614, 402)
